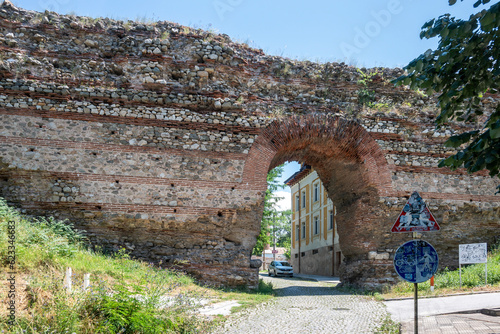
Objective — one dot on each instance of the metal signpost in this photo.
(473, 253)
(415, 261)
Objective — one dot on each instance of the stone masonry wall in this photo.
(158, 138)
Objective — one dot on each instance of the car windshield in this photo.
(284, 264)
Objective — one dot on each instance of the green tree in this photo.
(269, 209)
(284, 231)
(462, 71)
(283, 228)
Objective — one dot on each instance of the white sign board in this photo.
(472, 253)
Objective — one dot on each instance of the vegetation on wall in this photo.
(366, 96)
(463, 70)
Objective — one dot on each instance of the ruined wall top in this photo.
(187, 68)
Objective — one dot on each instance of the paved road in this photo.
(476, 323)
(402, 310)
(309, 307)
(435, 317)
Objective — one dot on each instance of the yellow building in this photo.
(315, 243)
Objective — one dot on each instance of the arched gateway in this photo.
(352, 168)
(158, 138)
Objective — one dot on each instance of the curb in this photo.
(447, 295)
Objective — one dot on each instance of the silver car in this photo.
(280, 268)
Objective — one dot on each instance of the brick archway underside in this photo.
(350, 164)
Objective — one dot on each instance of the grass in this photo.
(448, 282)
(388, 326)
(125, 296)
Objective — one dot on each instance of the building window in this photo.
(303, 230)
(316, 192)
(315, 251)
(316, 225)
(297, 203)
(330, 225)
(303, 199)
(296, 255)
(297, 232)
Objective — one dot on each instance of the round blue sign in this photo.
(416, 261)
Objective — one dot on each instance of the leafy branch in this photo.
(462, 71)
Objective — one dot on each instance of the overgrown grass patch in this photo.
(249, 298)
(125, 295)
(448, 281)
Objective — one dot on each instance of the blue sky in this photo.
(290, 168)
(363, 33)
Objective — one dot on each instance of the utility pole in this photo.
(274, 236)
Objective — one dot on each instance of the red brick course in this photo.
(436, 170)
(447, 196)
(24, 174)
(119, 148)
(127, 208)
(32, 112)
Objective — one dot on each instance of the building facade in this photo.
(315, 242)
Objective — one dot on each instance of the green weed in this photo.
(125, 296)
(447, 281)
(388, 326)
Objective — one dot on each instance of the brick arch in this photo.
(349, 162)
(311, 139)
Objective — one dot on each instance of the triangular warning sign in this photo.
(415, 217)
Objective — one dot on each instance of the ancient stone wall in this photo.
(158, 138)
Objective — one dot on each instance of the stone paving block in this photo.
(455, 323)
(309, 307)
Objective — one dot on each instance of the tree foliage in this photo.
(464, 70)
(270, 210)
(283, 231)
(283, 228)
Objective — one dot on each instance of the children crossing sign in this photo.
(415, 217)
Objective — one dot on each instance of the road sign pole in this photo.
(415, 326)
(415, 294)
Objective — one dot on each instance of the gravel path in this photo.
(309, 307)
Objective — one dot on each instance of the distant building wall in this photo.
(317, 251)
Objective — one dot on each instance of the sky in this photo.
(362, 33)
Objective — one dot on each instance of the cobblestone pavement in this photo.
(455, 323)
(309, 307)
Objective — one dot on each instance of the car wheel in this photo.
(269, 273)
